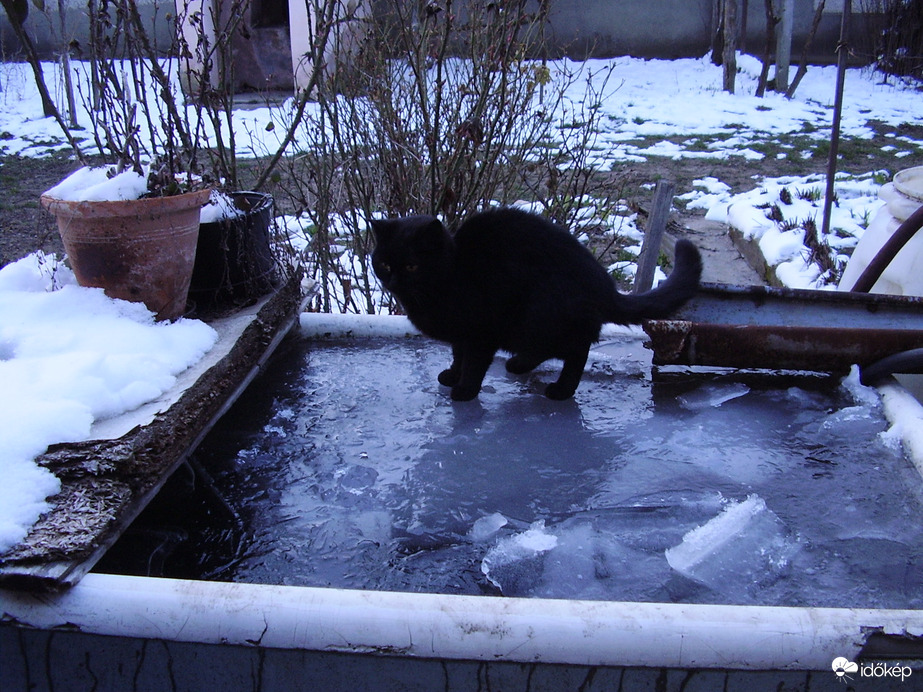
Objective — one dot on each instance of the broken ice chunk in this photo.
(712, 395)
(518, 558)
(745, 546)
(590, 562)
(579, 558)
(485, 527)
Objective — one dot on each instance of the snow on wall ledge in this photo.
(70, 356)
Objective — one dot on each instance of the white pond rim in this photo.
(481, 628)
(478, 628)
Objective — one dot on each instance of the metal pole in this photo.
(842, 56)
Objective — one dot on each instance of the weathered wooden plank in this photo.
(653, 236)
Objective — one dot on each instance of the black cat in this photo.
(512, 281)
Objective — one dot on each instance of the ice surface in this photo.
(349, 465)
(743, 548)
(599, 554)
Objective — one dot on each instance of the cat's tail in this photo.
(660, 302)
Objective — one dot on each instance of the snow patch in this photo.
(72, 356)
(99, 185)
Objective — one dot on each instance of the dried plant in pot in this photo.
(140, 249)
(236, 259)
(168, 111)
(234, 263)
(131, 226)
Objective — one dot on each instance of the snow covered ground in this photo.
(796, 200)
(69, 355)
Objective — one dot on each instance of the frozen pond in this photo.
(347, 465)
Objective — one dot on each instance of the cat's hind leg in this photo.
(520, 364)
(570, 375)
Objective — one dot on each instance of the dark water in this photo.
(347, 465)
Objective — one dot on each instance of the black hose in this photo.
(904, 362)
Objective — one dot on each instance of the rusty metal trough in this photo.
(761, 327)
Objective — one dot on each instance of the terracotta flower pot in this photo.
(140, 250)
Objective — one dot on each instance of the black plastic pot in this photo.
(234, 263)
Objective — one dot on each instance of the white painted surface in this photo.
(904, 275)
(460, 627)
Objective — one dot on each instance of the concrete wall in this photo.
(643, 28)
(603, 28)
(45, 28)
(681, 28)
(67, 661)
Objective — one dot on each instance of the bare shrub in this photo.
(437, 110)
(898, 44)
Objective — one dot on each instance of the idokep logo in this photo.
(843, 666)
(844, 669)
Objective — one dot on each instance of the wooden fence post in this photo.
(653, 236)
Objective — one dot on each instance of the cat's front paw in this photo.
(463, 393)
(448, 378)
(559, 392)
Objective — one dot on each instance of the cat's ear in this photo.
(382, 229)
(435, 226)
(435, 234)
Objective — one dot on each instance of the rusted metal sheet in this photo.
(786, 329)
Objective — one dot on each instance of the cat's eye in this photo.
(412, 268)
(385, 267)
